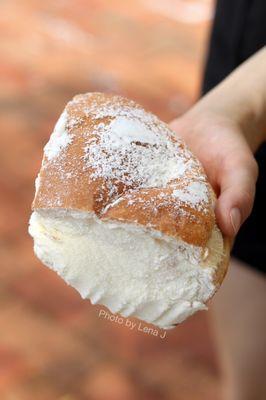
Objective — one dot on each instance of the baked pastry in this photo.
(123, 212)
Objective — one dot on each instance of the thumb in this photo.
(237, 194)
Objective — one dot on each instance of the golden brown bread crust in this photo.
(158, 209)
(222, 267)
(68, 182)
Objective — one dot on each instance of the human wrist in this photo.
(252, 126)
(242, 98)
(235, 107)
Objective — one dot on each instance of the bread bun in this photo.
(123, 212)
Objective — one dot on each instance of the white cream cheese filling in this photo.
(129, 269)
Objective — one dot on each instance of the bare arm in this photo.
(224, 129)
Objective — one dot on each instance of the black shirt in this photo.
(239, 30)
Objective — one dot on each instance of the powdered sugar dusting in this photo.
(60, 138)
(37, 182)
(125, 131)
(125, 149)
(135, 148)
(194, 193)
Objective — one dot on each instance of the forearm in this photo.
(241, 97)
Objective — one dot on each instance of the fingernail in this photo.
(235, 217)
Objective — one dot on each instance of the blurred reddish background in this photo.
(53, 345)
